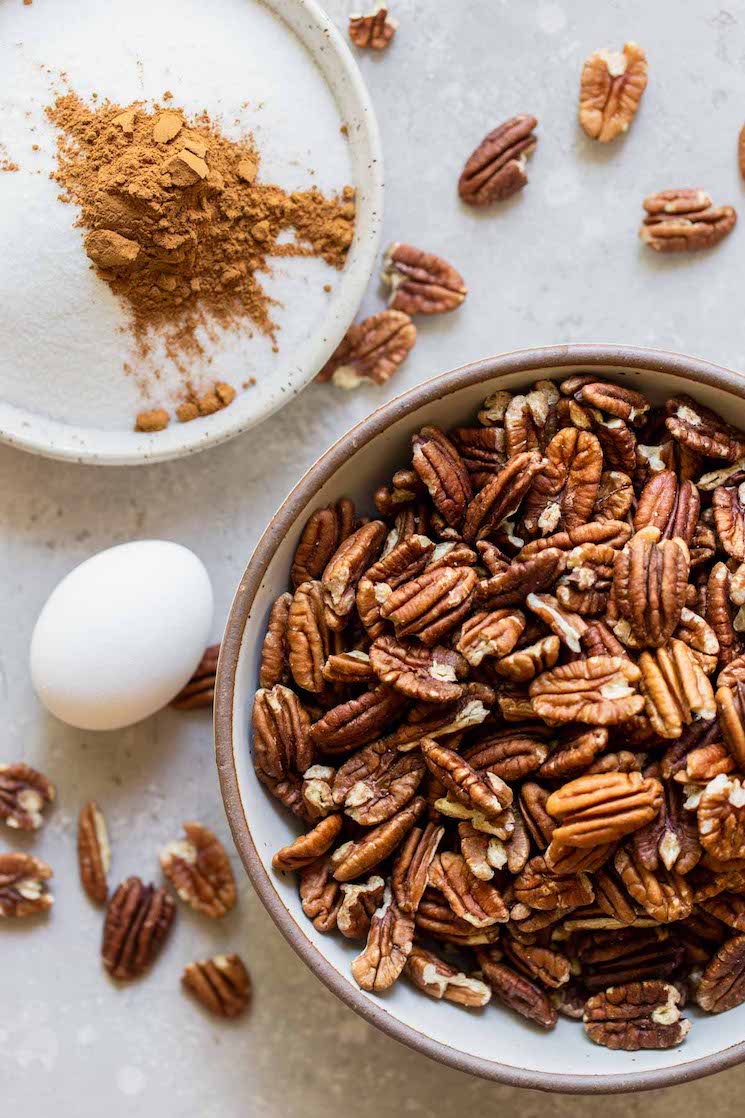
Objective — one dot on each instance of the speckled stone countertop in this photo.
(561, 262)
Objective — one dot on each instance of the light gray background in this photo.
(559, 263)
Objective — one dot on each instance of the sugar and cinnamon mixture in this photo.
(179, 225)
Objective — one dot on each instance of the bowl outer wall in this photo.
(703, 380)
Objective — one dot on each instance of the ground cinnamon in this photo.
(179, 224)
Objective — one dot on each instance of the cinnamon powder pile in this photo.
(179, 226)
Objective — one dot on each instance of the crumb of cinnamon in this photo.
(154, 420)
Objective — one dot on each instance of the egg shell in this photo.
(121, 634)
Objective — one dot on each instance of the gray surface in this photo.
(559, 263)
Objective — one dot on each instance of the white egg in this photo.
(120, 636)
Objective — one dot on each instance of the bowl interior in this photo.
(492, 1042)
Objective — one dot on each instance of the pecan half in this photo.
(510, 753)
(501, 496)
(516, 991)
(731, 716)
(563, 493)
(437, 978)
(599, 690)
(357, 721)
(551, 968)
(665, 895)
(308, 636)
(586, 583)
(684, 221)
(389, 944)
(275, 665)
(370, 351)
(374, 29)
(722, 984)
(483, 853)
(200, 871)
(320, 895)
(611, 88)
(325, 529)
(721, 817)
(200, 690)
(526, 663)
(94, 852)
(310, 846)
(471, 898)
(349, 668)
(636, 1016)
(615, 496)
(23, 885)
(728, 503)
(670, 839)
(431, 604)
(436, 919)
(420, 282)
(403, 562)
(344, 570)
(493, 633)
(442, 470)
(283, 748)
(727, 907)
(702, 430)
(573, 754)
(649, 586)
(428, 674)
(512, 586)
(221, 984)
(24, 794)
(356, 857)
(496, 169)
(483, 792)
(603, 807)
(138, 920)
(411, 870)
(358, 904)
(376, 783)
(669, 504)
(539, 887)
(675, 688)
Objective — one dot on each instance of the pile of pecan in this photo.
(510, 712)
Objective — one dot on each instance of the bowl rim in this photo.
(332, 56)
(524, 360)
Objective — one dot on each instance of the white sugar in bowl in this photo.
(121, 634)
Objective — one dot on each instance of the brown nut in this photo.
(200, 690)
(357, 721)
(308, 636)
(354, 858)
(496, 169)
(601, 808)
(702, 430)
(563, 494)
(676, 689)
(24, 794)
(429, 675)
(359, 902)
(199, 870)
(490, 634)
(442, 470)
(320, 895)
(370, 351)
(325, 529)
(309, 847)
(221, 984)
(722, 984)
(471, 898)
(374, 29)
(611, 88)
(420, 282)
(637, 1016)
(721, 817)
(437, 978)
(432, 604)
(23, 885)
(728, 503)
(345, 569)
(669, 504)
(483, 792)
(282, 744)
(94, 852)
(665, 895)
(275, 665)
(516, 991)
(377, 782)
(599, 690)
(684, 221)
(649, 586)
(389, 944)
(138, 920)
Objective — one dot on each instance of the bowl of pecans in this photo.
(480, 718)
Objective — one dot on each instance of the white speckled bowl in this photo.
(493, 1043)
(66, 395)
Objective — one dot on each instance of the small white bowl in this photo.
(494, 1043)
(65, 395)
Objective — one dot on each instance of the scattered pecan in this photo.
(420, 282)
(199, 870)
(636, 1016)
(611, 88)
(563, 494)
(138, 920)
(669, 504)
(275, 666)
(502, 494)
(539, 887)
(349, 667)
(615, 496)
(370, 351)
(512, 586)
(684, 221)
(496, 169)
(310, 846)
(436, 919)
(374, 29)
(433, 976)
(200, 690)
(601, 808)
(573, 754)
(670, 839)
(551, 968)
(511, 754)
(516, 991)
(598, 690)
(317, 791)
(411, 872)
(221, 984)
(403, 562)
(23, 885)
(24, 794)
(722, 984)
(94, 852)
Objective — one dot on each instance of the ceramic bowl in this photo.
(494, 1042)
